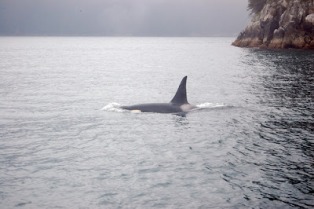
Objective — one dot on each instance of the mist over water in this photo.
(122, 17)
(63, 144)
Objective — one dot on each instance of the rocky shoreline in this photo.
(280, 24)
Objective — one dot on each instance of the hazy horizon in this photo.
(122, 17)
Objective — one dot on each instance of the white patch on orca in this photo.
(186, 107)
(136, 111)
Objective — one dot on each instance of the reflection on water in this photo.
(283, 139)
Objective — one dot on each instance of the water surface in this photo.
(65, 144)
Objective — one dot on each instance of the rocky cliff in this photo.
(280, 24)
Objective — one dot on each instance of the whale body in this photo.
(178, 104)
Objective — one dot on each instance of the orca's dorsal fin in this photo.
(180, 97)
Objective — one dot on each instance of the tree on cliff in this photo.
(256, 5)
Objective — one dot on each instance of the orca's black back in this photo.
(155, 107)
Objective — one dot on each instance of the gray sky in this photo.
(123, 17)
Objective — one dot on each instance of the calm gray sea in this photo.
(65, 143)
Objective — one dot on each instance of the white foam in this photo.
(113, 107)
(210, 105)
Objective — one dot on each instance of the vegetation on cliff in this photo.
(256, 5)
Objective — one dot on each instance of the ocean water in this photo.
(65, 143)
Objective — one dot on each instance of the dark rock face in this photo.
(280, 24)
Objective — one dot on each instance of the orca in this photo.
(178, 104)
